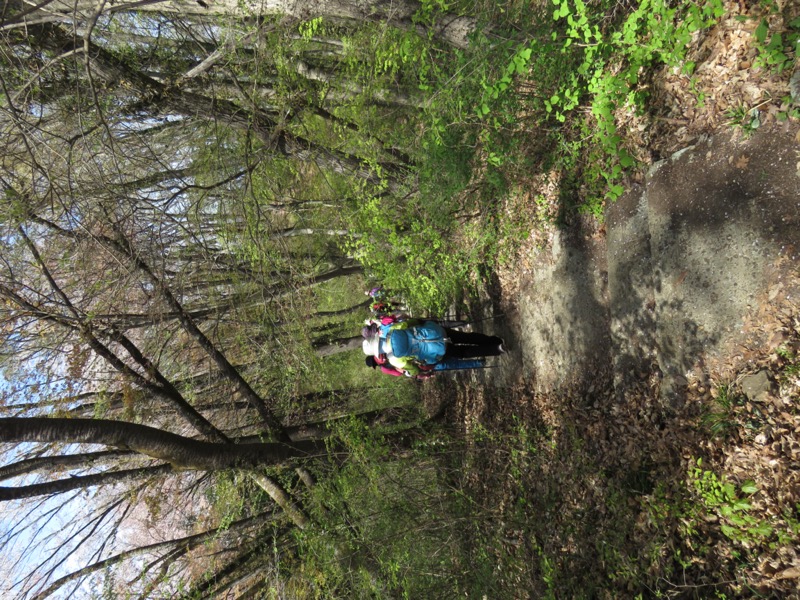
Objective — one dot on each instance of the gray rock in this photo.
(758, 385)
(794, 87)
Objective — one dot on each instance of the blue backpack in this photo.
(425, 343)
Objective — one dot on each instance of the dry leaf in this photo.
(790, 573)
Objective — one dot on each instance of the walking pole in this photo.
(463, 323)
(464, 368)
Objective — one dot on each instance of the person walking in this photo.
(414, 347)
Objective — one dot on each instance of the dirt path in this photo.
(666, 335)
(625, 342)
(675, 287)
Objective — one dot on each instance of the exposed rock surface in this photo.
(688, 260)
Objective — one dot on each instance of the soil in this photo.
(628, 337)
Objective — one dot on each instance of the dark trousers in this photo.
(469, 344)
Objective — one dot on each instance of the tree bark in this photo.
(61, 486)
(331, 347)
(181, 452)
(449, 28)
(30, 465)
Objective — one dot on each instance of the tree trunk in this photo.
(61, 486)
(181, 452)
(448, 28)
(331, 347)
(30, 465)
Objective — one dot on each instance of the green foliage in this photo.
(518, 65)
(777, 50)
(719, 497)
(791, 369)
(386, 527)
(713, 502)
(408, 253)
(611, 64)
(308, 29)
(720, 419)
(411, 238)
(228, 497)
(747, 119)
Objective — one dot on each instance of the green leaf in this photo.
(776, 43)
(749, 487)
(728, 531)
(602, 110)
(762, 529)
(737, 520)
(729, 491)
(625, 159)
(761, 31)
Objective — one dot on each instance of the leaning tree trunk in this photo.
(336, 346)
(181, 452)
(448, 28)
(62, 486)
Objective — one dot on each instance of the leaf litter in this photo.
(584, 495)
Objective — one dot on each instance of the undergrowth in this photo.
(560, 70)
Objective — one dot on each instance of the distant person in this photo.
(382, 305)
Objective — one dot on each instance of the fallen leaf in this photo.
(790, 573)
(742, 162)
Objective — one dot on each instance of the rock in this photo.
(758, 386)
(794, 87)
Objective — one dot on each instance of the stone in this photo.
(758, 385)
(794, 87)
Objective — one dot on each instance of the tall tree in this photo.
(170, 212)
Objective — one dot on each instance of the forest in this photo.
(195, 197)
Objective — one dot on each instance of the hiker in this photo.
(382, 305)
(387, 369)
(414, 347)
(426, 371)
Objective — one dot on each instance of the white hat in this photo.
(371, 346)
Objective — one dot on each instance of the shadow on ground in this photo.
(582, 436)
